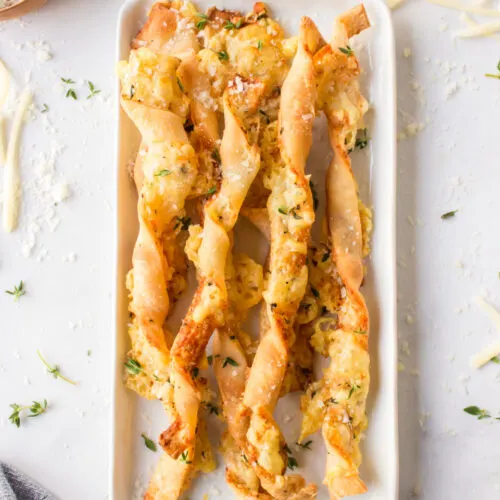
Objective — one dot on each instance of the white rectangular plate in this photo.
(375, 169)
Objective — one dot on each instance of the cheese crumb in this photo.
(409, 319)
(60, 192)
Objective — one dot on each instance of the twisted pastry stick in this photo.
(161, 202)
(231, 365)
(240, 163)
(164, 172)
(291, 216)
(340, 398)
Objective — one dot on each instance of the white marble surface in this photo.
(443, 265)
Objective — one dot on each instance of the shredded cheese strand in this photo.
(472, 9)
(11, 198)
(394, 4)
(4, 92)
(480, 30)
(493, 349)
(471, 22)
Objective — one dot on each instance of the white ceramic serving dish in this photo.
(375, 168)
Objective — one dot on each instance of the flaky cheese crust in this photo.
(240, 163)
(340, 398)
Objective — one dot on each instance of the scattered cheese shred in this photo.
(4, 83)
(11, 173)
(394, 4)
(485, 355)
(470, 22)
(4, 92)
(479, 30)
(472, 9)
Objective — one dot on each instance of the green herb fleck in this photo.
(326, 256)
(180, 84)
(45, 108)
(184, 457)
(495, 359)
(229, 361)
(54, 370)
(210, 359)
(477, 412)
(292, 462)
(133, 366)
(202, 22)
(71, 93)
(184, 222)
(360, 332)
(306, 445)
(314, 292)
(213, 409)
(346, 50)
(231, 26)
(150, 444)
(314, 195)
(35, 409)
(163, 173)
(283, 210)
(260, 45)
(92, 89)
(354, 387)
(195, 372)
(362, 142)
(265, 115)
(491, 75)
(211, 191)
(223, 55)
(216, 155)
(449, 214)
(17, 292)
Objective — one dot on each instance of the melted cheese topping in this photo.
(151, 78)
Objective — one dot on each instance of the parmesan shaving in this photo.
(4, 83)
(394, 4)
(485, 355)
(11, 172)
(480, 30)
(4, 92)
(470, 22)
(472, 9)
(2, 140)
